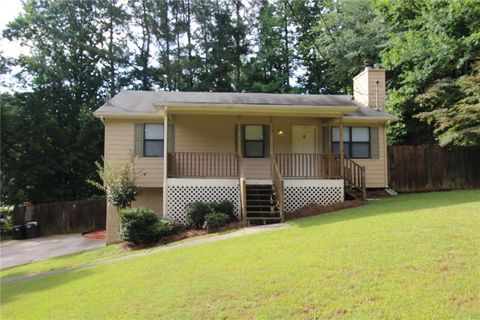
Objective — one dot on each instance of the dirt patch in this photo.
(183, 234)
(377, 193)
(314, 209)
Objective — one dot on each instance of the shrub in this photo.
(196, 212)
(167, 227)
(215, 220)
(224, 206)
(122, 195)
(118, 182)
(6, 220)
(140, 226)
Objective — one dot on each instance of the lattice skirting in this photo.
(299, 193)
(184, 191)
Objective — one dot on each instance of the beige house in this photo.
(267, 153)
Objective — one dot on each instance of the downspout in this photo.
(385, 154)
(341, 147)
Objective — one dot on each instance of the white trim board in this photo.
(258, 181)
(313, 182)
(202, 182)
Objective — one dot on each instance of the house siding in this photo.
(204, 133)
(375, 169)
(119, 143)
(151, 198)
(217, 133)
(196, 133)
(365, 85)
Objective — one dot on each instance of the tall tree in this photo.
(347, 32)
(116, 52)
(57, 133)
(187, 8)
(215, 38)
(429, 41)
(452, 107)
(270, 68)
(140, 35)
(241, 43)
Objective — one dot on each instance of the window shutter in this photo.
(138, 142)
(325, 139)
(171, 138)
(266, 137)
(374, 143)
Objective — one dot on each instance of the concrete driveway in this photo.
(16, 252)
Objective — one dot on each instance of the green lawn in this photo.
(85, 257)
(70, 260)
(412, 256)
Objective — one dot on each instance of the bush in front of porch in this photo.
(141, 226)
(218, 212)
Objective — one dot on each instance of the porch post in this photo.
(241, 174)
(271, 139)
(340, 133)
(270, 147)
(165, 160)
(239, 136)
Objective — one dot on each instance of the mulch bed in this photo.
(184, 234)
(95, 235)
(314, 209)
(307, 211)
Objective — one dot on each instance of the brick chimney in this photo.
(369, 87)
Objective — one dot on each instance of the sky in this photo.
(10, 9)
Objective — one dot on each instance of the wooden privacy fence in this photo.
(430, 168)
(64, 217)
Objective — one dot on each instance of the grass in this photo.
(412, 256)
(70, 260)
(86, 257)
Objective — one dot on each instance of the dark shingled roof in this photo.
(144, 102)
(366, 112)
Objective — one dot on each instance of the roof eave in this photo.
(253, 108)
(150, 115)
(367, 118)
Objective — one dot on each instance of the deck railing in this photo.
(277, 181)
(354, 176)
(202, 164)
(309, 165)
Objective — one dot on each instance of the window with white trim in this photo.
(153, 140)
(254, 141)
(356, 142)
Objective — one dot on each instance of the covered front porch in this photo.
(270, 164)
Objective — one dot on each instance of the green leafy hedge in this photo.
(197, 212)
(141, 226)
(216, 220)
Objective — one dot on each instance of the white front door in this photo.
(304, 139)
